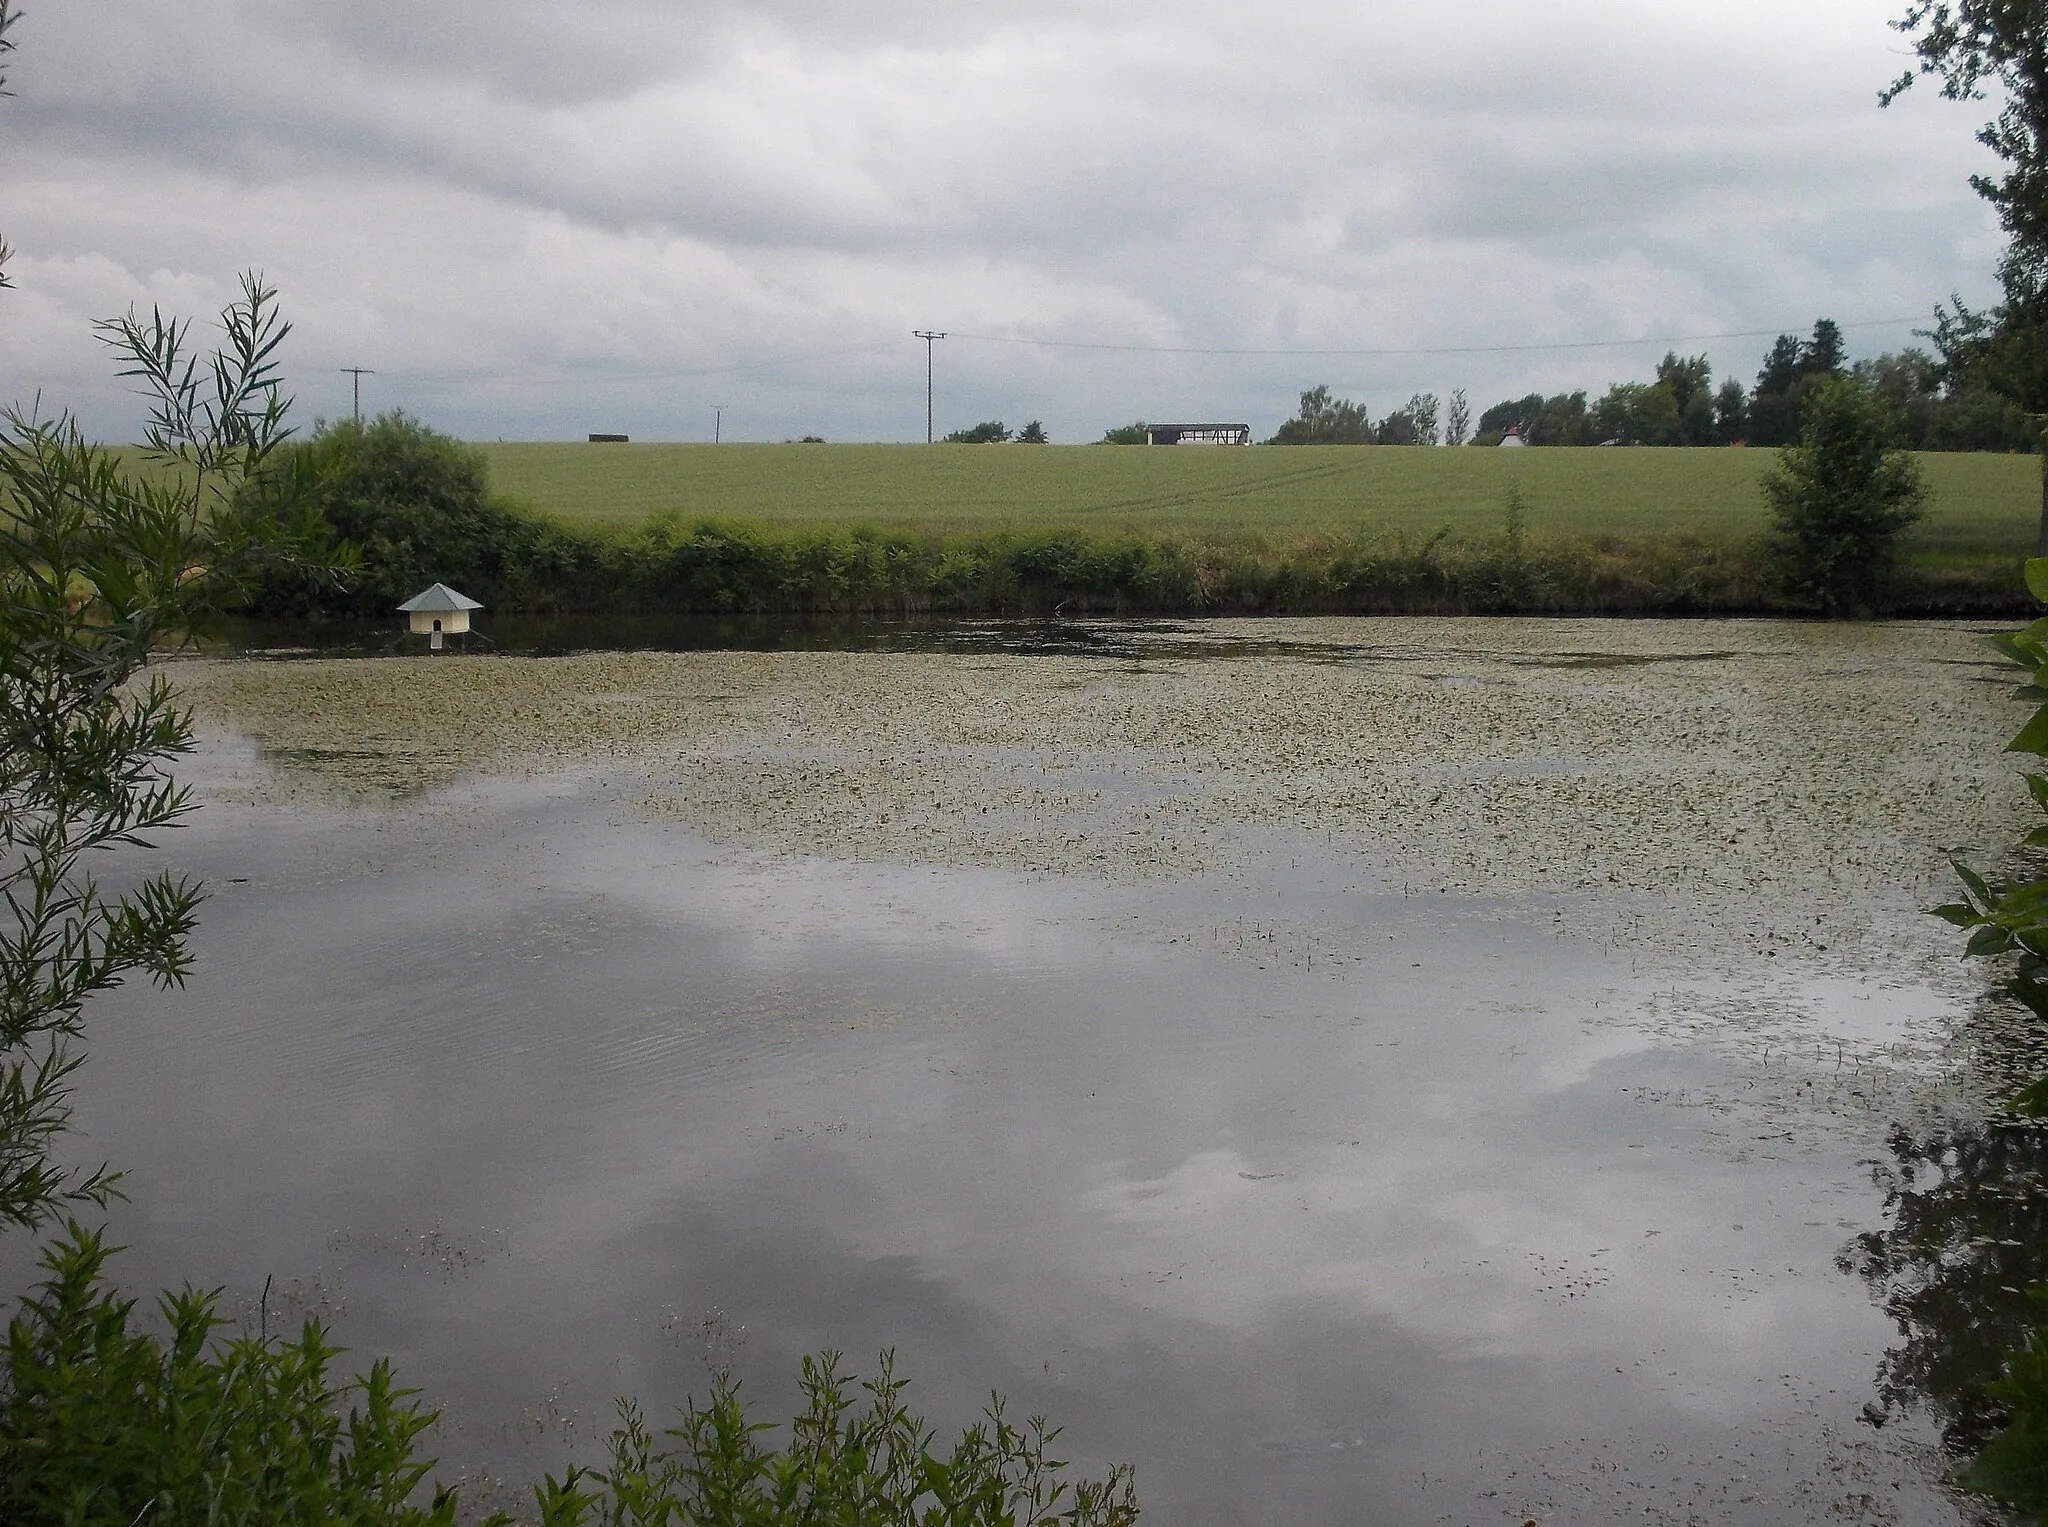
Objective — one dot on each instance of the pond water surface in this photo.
(1355, 1071)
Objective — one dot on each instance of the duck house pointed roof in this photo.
(437, 598)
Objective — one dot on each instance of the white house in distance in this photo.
(439, 611)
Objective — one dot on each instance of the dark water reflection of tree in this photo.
(1966, 1233)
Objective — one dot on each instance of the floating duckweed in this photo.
(1686, 788)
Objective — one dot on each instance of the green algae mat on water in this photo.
(1746, 781)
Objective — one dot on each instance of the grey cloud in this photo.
(495, 196)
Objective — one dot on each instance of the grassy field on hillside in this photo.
(1981, 503)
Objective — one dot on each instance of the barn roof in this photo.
(438, 597)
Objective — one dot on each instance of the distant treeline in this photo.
(417, 507)
(1681, 405)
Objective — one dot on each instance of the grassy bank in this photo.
(853, 530)
(909, 529)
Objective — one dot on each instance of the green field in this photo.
(1981, 503)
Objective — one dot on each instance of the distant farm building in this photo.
(438, 612)
(1198, 434)
(610, 439)
(1513, 437)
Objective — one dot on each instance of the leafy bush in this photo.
(1840, 497)
(988, 432)
(105, 1425)
(102, 1425)
(414, 505)
(844, 1466)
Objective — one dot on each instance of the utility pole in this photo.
(718, 421)
(358, 372)
(928, 335)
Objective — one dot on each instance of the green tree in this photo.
(1731, 413)
(1324, 420)
(1414, 423)
(1971, 417)
(1690, 380)
(1636, 413)
(416, 506)
(1840, 497)
(1401, 427)
(1033, 434)
(1126, 434)
(1789, 374)
(988, 432)
(1967, 45)
(1910, 384)
(1561, 420)
(1509, 414)
(1458, 418)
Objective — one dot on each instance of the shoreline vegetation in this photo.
(864, 531)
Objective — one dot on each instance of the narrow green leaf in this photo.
(1979, 891)
(2037, 578)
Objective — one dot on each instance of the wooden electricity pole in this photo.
(928, 335)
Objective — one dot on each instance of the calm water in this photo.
(1427, 1217)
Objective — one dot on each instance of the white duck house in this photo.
(439, 611)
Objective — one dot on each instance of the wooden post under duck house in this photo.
(438, 612)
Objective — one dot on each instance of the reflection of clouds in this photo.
(834, 1097)
(1202, 1185)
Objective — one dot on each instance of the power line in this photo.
(561, 378)
(555, 379)
(1562, 344)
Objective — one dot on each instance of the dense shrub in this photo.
(1840, 497)
(415, 506)
(104, 1425)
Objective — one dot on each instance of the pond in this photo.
(1363, 1070)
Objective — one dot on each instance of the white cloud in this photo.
(536, 220)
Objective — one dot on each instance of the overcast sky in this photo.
(534, 220)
